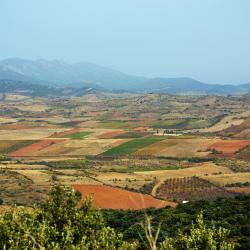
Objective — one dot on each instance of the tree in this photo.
(59, 224)
(201, 237)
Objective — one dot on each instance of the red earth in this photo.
(105, 197)
(230, 146)
(28, 150)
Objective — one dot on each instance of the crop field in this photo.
(191, 189)
(78, 135)
(7, 146)
(64, 133)
(110, 134)
(202, 169)
(29, 134)
(33, 148)
(79, 147)
(180, 147)
(131, 147)
(132, 134)
(113, 198)
(156, 148)
(230, 146)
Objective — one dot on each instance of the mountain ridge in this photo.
(61, 74)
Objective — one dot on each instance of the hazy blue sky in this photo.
(205, 39)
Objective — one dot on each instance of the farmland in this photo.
(191, 189)
(124, 144)
(104, 198)
(131, 147)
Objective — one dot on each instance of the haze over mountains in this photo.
(60, 78)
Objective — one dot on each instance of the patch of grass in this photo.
(78, 135)
(131, 146)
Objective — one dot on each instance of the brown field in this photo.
(66, 132)
(30, 149)
(201, 170)
(196, 147)
(113, 198)
(131, 180)
(110, 134)
(230, 146)
(228, 178)
(78, 147)
(28, 134)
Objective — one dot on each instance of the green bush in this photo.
(201, 237)
(58, 224)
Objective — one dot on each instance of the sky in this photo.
(208, 40)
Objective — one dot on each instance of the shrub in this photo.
(58, 224)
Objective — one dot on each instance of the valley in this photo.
(156, 147)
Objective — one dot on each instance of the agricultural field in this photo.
(191, 189)
(131, 146)
(113, 198)
(124, 145)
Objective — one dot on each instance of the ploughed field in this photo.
(105, 197)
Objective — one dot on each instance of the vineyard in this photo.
(191, 189)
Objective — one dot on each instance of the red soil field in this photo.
(67, 132)
(113, 198)
(110, 134)
(27, 151)
(230, 146)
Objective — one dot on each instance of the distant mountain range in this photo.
(57, 78)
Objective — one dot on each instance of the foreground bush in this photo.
(201, 237)
(58, 224)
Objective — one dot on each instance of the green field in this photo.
(78, 135)
(131, 146)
